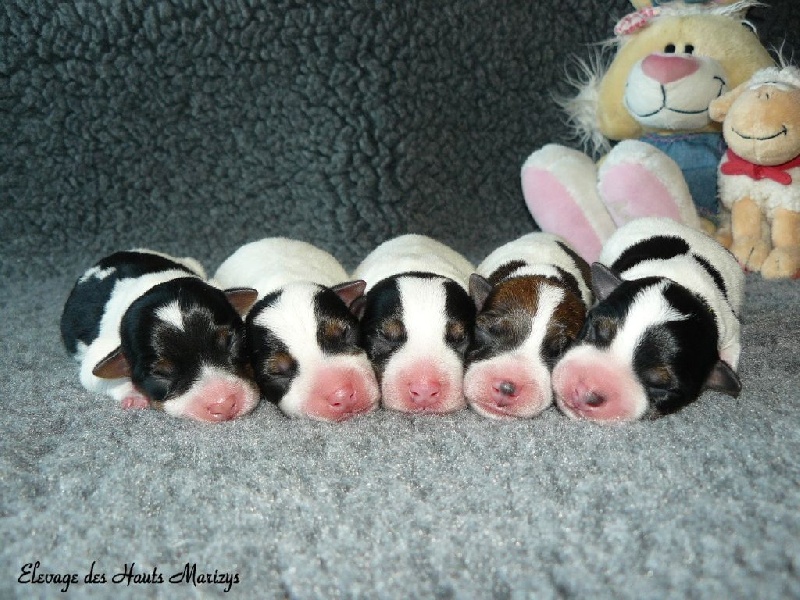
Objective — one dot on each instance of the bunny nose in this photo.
(666, 68)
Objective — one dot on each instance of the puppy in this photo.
(665, 328)
(149, 331)
(531, 295)
(302, 336)
(417, 322)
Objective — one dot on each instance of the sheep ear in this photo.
(604, 281)
(723, 379)
(719, 107)
(113, 366)
(479, 290)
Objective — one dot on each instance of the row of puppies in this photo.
(415, 326)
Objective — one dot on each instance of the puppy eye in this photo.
(225, 337)
(657, 377)
(393, 330)
(556, 345)
(456, 332)
(604, 330)
(281, 364)
(669, 48)
(163, 369)
(499, 327)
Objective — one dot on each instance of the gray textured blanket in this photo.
(193, 126)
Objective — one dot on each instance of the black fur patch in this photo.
(383, 306)
(166, 362)
(680, 353)
(660, 247)
(84, 308)
(337, 329)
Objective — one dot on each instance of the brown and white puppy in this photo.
(532, 295)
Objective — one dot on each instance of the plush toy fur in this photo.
(670, 63)
(759, 178)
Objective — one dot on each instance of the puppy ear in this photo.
(479, 290)
(604, 281)
(723, 379)
(350, 291)
(113, 366)
(242, 299)
(719, 107)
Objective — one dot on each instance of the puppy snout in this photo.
(424, 392)
(342, 398)
(223, 408)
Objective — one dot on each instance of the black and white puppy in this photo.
(666, 326)
(532, 295)
(417, 322)
(302, 336)
(148, 330)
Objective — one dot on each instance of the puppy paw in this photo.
(135, 400)
(782, 263)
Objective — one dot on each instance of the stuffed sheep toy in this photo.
(759, 176)
(670, 62)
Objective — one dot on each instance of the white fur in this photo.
(425, 320)
(271, 263)
(541, 253)
(171, 313)
(687, 272)
(578, 174)
(681, 104)
(413, 252)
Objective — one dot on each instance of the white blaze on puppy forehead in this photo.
(422, 282)
(171, 313)
(303, 291)
(649, 309)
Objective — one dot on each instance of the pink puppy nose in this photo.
(504, 392)
(666, 68)
(424, 392)
(342, 398)
(223, 408)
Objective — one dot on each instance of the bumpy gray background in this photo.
(193, 126)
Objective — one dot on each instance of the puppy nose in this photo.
(666, 68)
(223, 408)
(503, 392)
(342, 398)
(593, 399)
(424, 392)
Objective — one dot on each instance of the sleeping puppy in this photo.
(665, 328)
(417, 322)
(149, 331)
(303, 338)
(532, 295)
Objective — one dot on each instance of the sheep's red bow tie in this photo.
(736, 165)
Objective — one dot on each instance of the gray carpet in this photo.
(193, 127)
